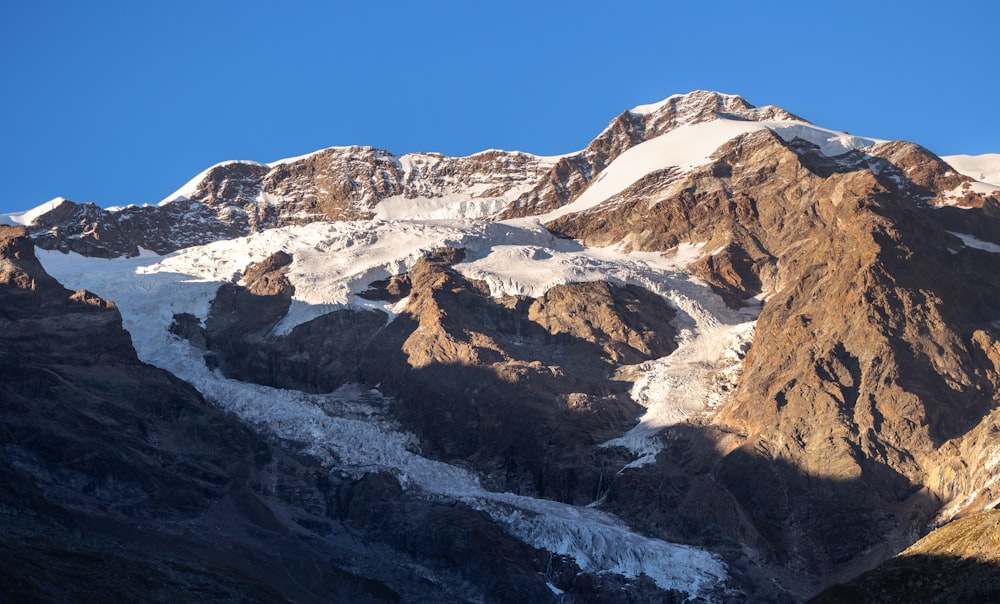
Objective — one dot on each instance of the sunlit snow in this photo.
(28, 217)
(690, 146)
(983, 168)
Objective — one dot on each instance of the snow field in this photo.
(975, 242)
(983, 168)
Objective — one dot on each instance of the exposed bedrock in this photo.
(520, 389)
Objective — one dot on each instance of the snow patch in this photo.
(690, 146)
(28, 218)
(685, 147)
(983, 168)
(456, 206)
(979, 244)
(830, 142)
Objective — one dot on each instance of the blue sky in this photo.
(123, 102)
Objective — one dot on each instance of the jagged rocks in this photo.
(526, 381)
(630, 323)
(119, 481)
(239, 337)
(863, 362)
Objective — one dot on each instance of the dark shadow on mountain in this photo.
(982, 223)
(927, 578)
(962, 286)
(486, 387)
(785, 533)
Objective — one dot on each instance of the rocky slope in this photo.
(873, 356)
(341, 183)
(528, 381)
(959, 562)
(864, 410)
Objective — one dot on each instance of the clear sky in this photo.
(123, 102)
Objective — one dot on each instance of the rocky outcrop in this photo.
(572, 174)
(236, 198)
(120, 482)
(528, 382)
(866, 408)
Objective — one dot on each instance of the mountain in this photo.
(720, 353)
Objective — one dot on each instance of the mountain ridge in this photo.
(342, 183)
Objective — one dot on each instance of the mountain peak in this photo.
(696, 99)
(704, 105)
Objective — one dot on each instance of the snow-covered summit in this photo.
(190, 187)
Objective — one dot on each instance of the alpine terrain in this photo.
(719, 355)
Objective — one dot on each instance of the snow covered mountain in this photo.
(720, 353)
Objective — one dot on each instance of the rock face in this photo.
(107, 456)
(872, 351)
(572, 174)
(343, 183)
(528, 382)
(235, 198)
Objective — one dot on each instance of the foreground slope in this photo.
(958, 562)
